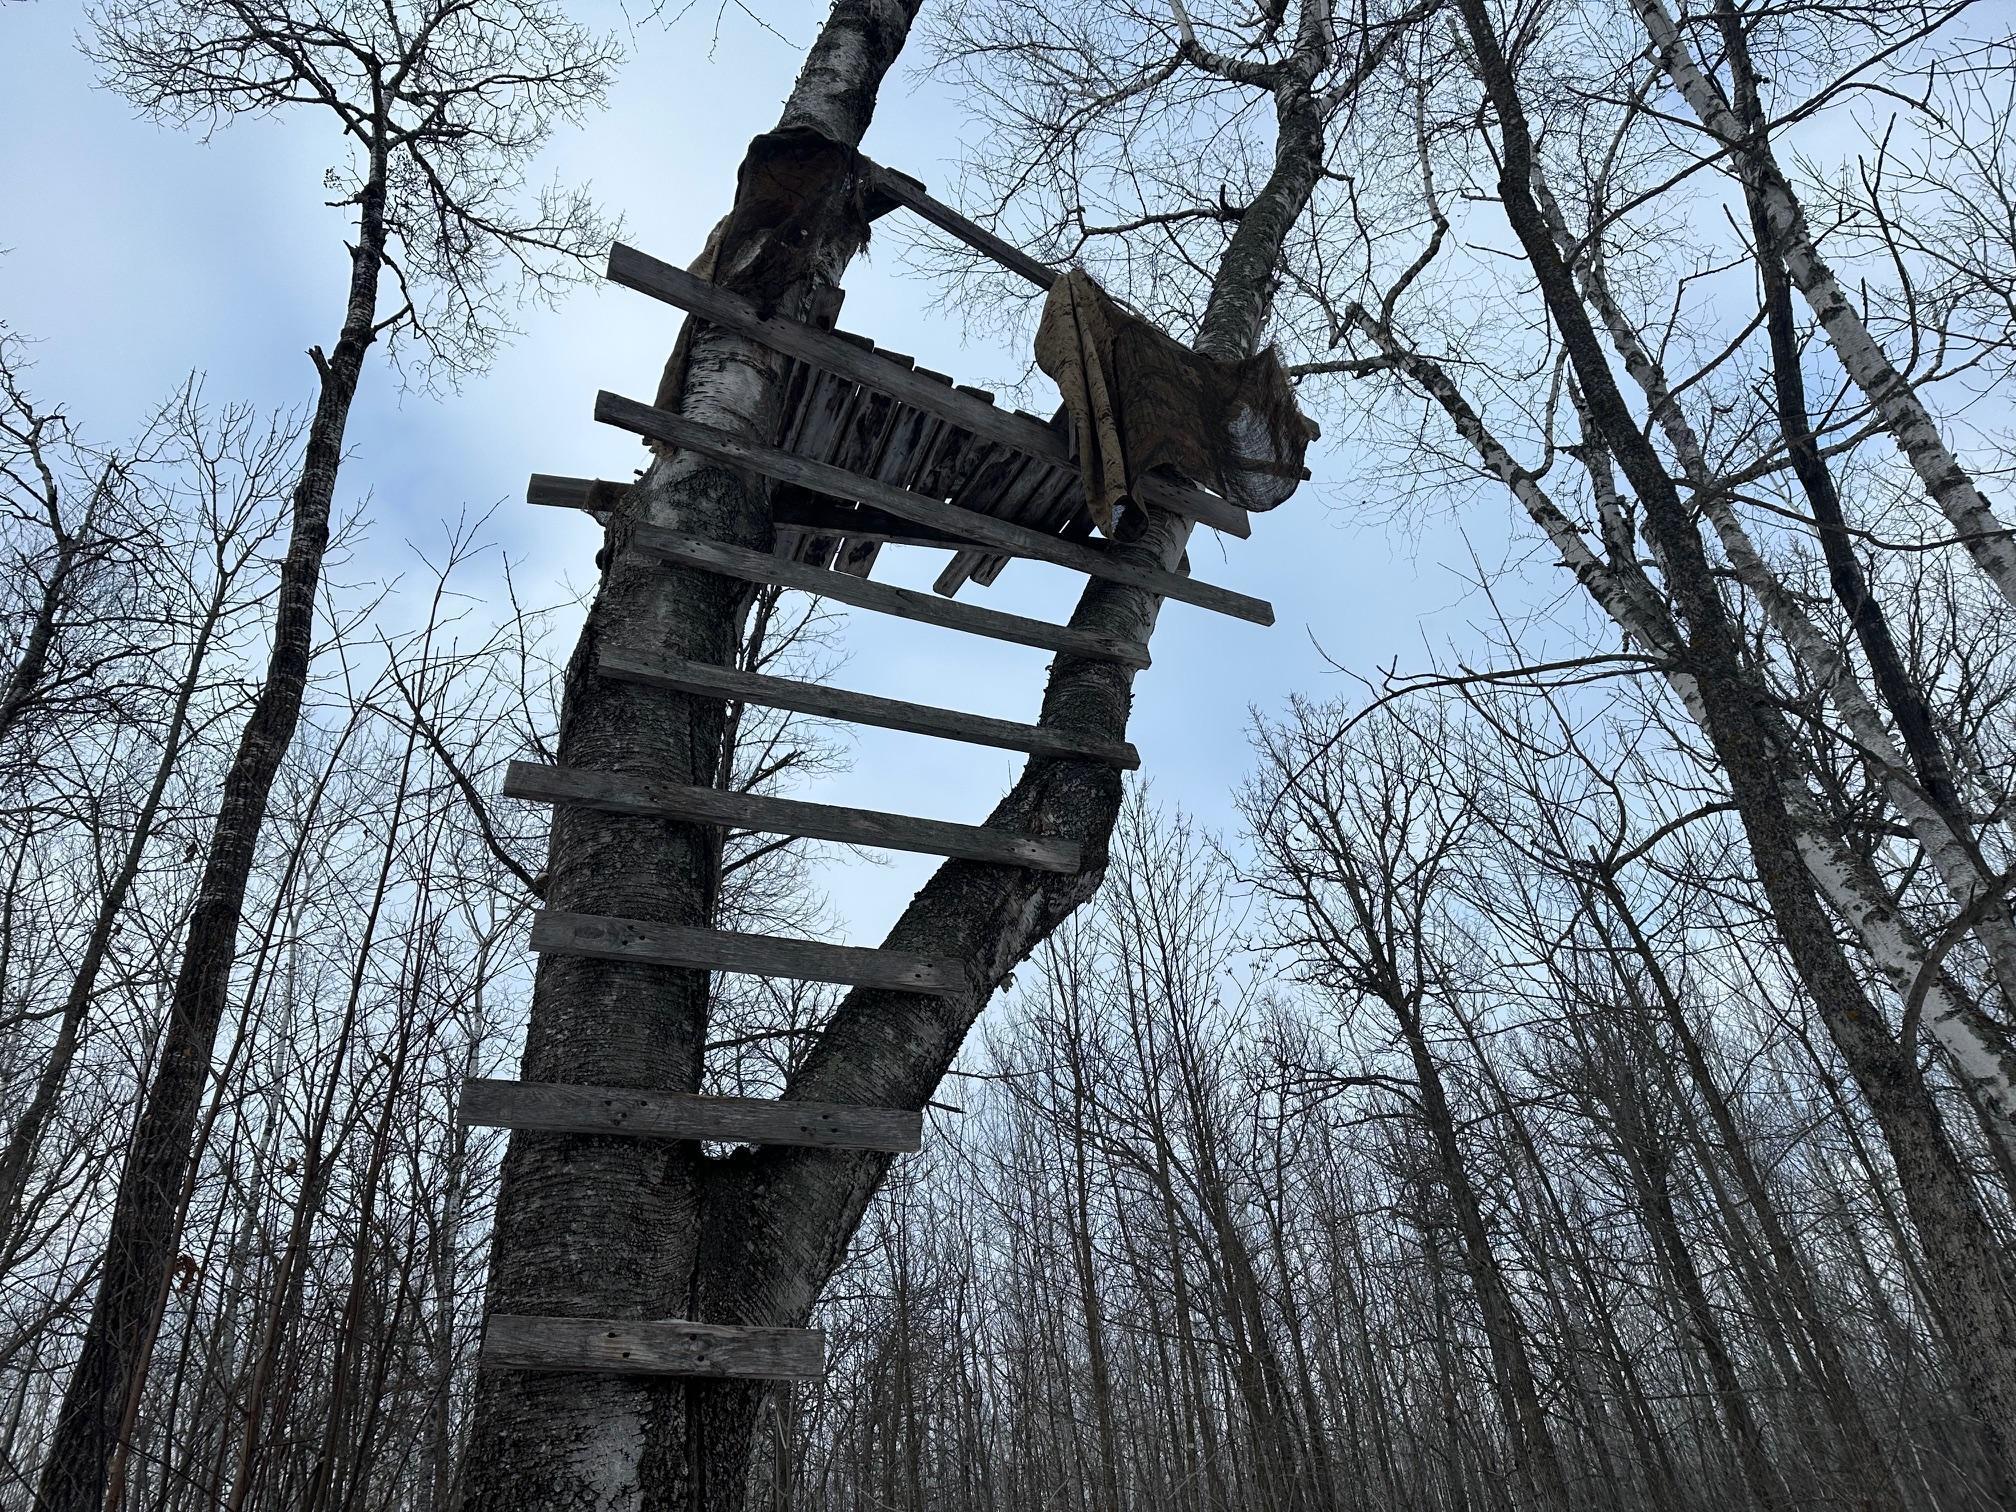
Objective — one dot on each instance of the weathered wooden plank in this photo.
(646, 274)
(562, 493)
(866, 708)
(793, 509)
(857, 557)
(642, 940)
(911, 195)
(798, 510)
(820, 477)
(617, 794)
(1004, 497)
(555, 1108)
(1052, 512)
(657, 1346)
(883, 598)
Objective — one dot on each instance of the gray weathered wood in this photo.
(796, 508)
(883, 598)
(647, 275)
(554, 1108)
(562, 493)
(865, 708)
(642, 940)
(821, 477)
(615, 793)
(658, 1346)
(911, 195)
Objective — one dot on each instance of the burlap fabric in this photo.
(785, 203)
(1139, 400)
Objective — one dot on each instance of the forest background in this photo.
(1522, 1180)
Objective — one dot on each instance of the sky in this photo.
(136, 254)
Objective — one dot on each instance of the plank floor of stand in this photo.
(872, 451)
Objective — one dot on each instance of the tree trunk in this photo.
(1536, 1460)
(611, 1227)
(605, 1227)
(1962, 1252)
(1889, 392)
(141, 1244)
(17, 1159)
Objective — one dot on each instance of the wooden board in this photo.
(821, 477)
(647, 275)
(903, 603)
(910, 194)
(865, 708)
(660, 1346)
(554, 1108)
(643, 941)
(616, 794)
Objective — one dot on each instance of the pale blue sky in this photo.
(136, 254)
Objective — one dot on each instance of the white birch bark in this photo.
(1808, 646)
(1895, 400)
(1984, 1065)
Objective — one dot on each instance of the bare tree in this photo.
(442, 104)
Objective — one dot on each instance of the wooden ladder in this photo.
(1016, 462)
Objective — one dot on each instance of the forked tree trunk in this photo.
(781, 1218)
(610, 1228)
(614, 1228)
(144, 1234)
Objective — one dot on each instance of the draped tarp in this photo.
(1139, 399)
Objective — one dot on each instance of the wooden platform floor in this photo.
(830, 418)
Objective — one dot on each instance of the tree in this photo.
(600, 1022)
(441, 105)
(1800, 790)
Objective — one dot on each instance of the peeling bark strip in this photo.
(1896, 401)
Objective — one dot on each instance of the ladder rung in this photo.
(565, 493)
(845, 587)
(659, 1346)
(555, 1108)
(615, 793)
(866, 708)
(985, 529)
(904, 603)
(644, 941)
